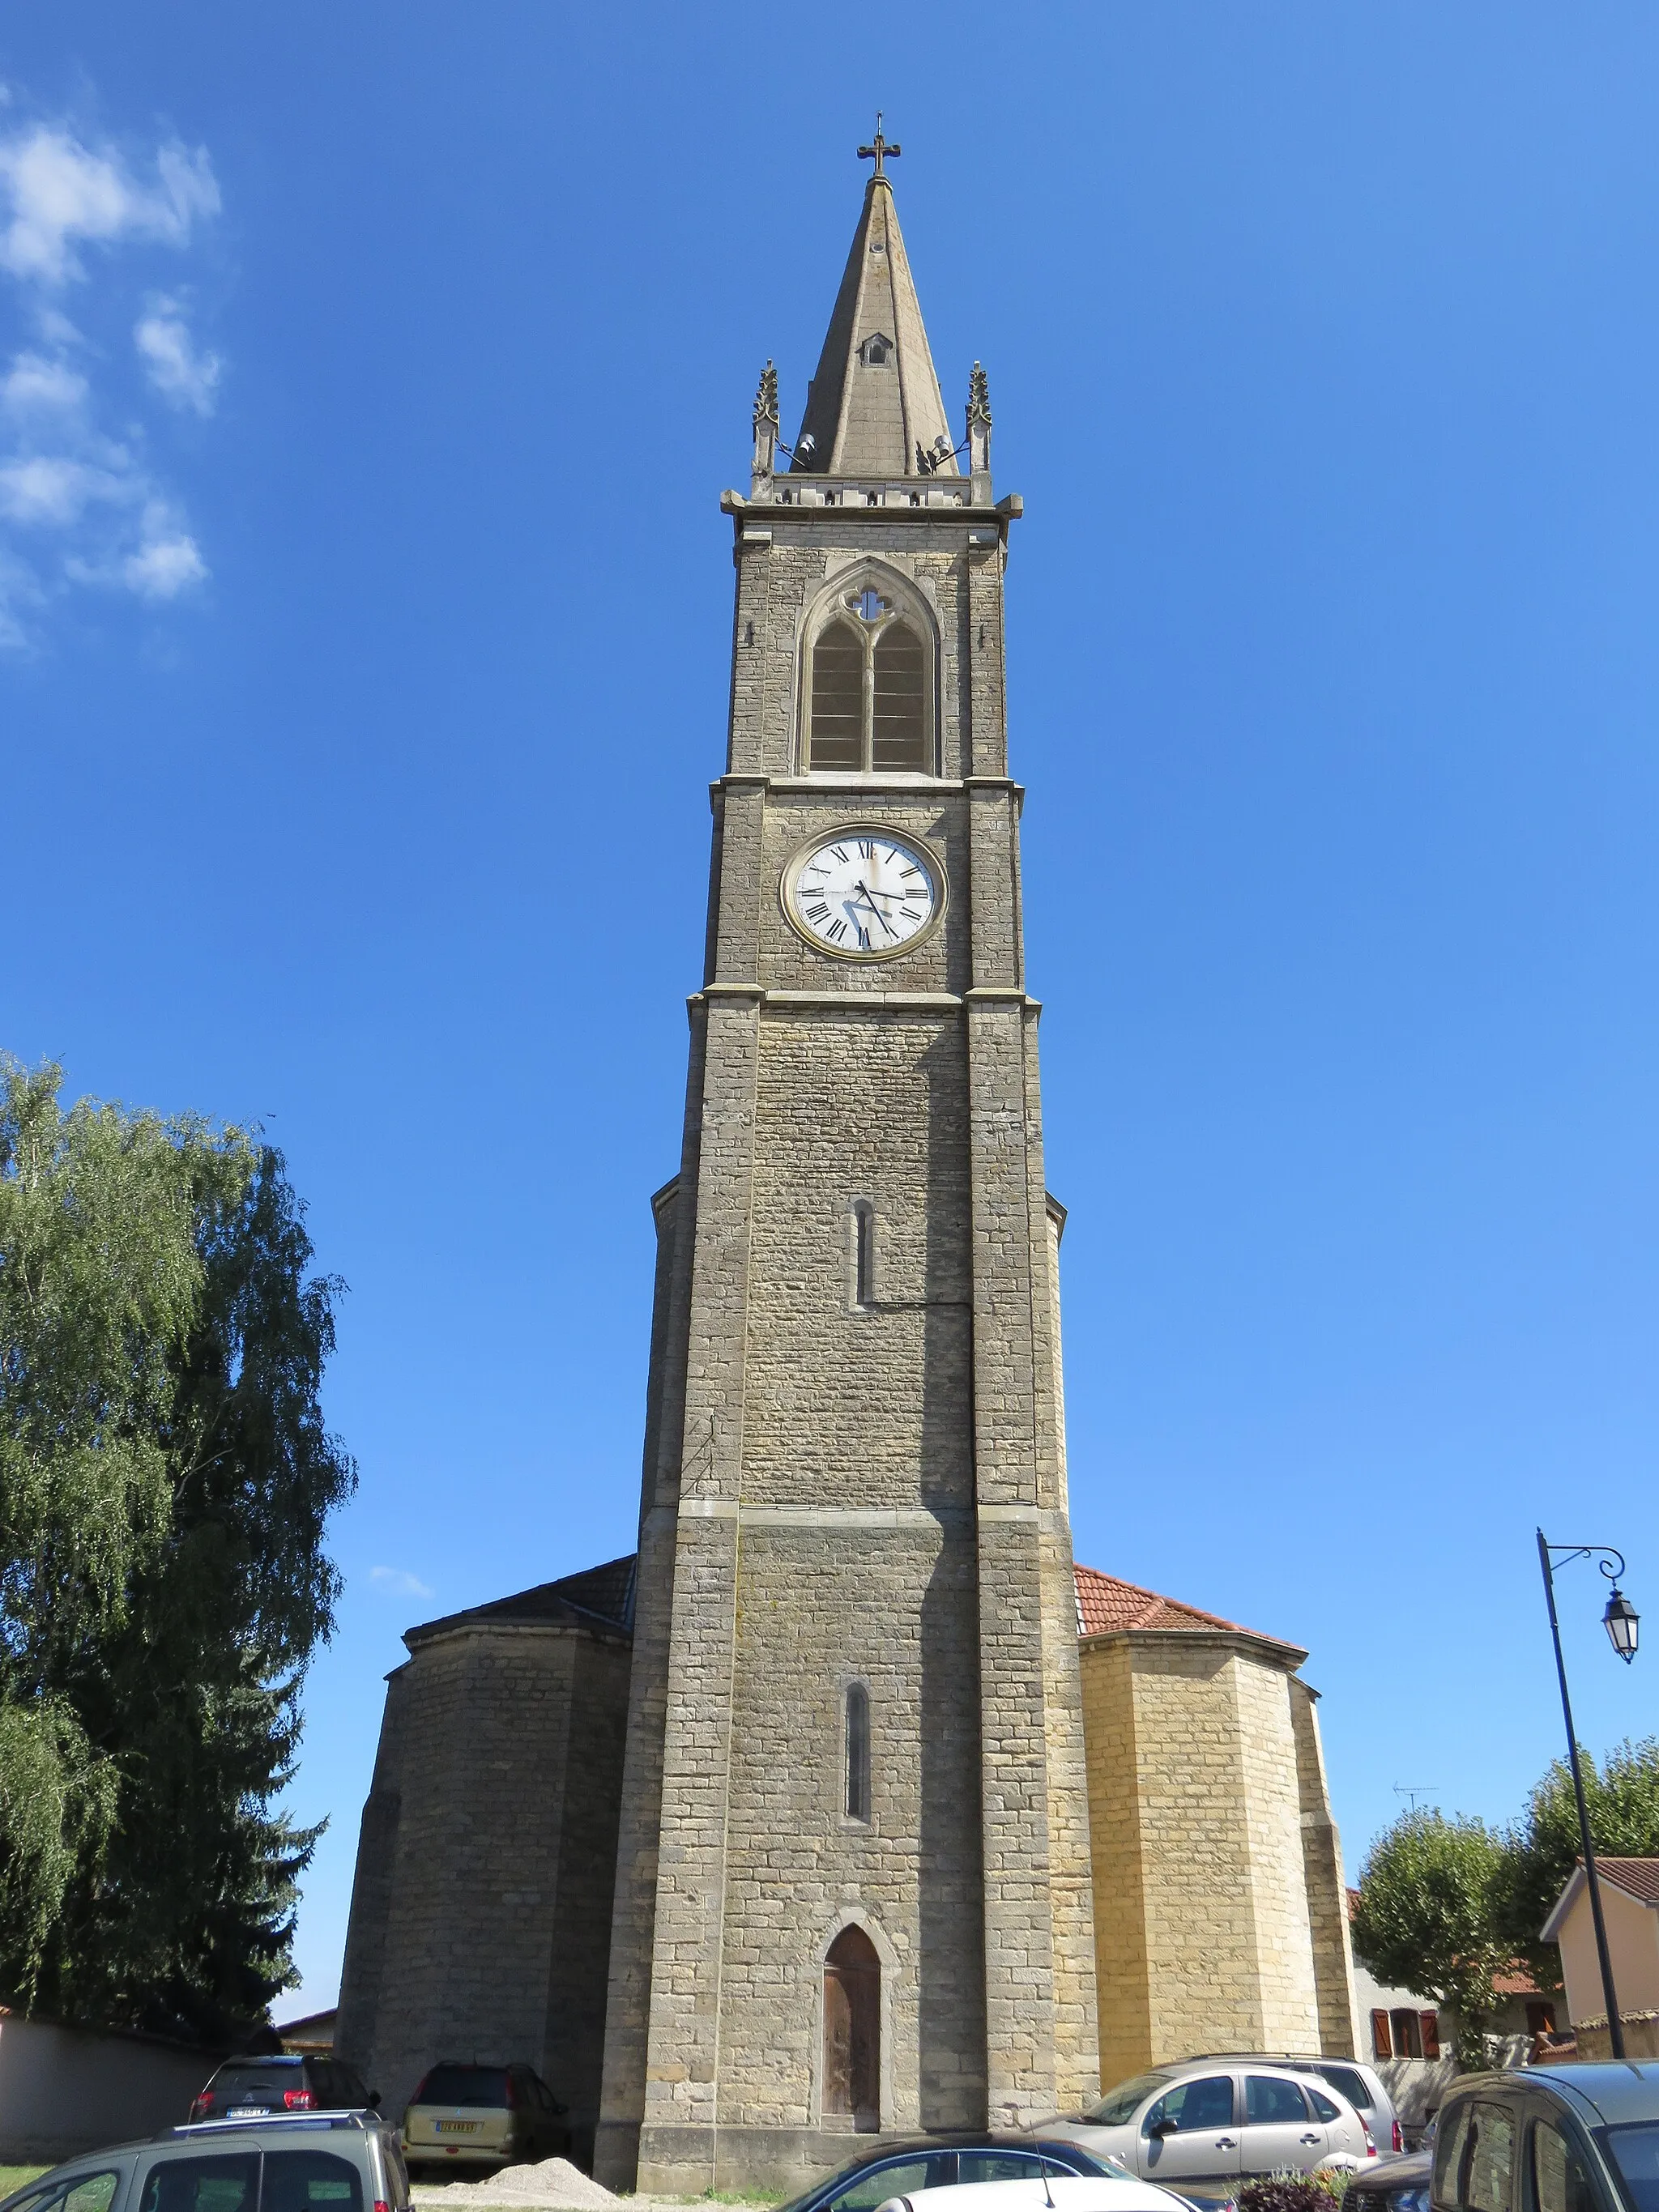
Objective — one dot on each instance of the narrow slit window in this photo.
(857, 1753)
(864, 1255)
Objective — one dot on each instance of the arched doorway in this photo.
(851, 2029)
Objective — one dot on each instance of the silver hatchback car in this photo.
(1209, 2123)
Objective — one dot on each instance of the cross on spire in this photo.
(881, 150)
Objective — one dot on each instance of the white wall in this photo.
(66, 2090)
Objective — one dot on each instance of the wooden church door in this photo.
(851, 2029)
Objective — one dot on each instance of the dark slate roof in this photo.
(597, 1597)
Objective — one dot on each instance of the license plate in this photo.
(248, 2112)
(458, 2127)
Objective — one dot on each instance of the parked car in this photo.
(255, 2088)
(1206, 2123)
(1362, 2085)
(484, 2116)
(1092, 2192)
(1394, 2185)
(311, 2162)
(968, 2160)
(1576, 2138)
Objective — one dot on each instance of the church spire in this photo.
(873, 408)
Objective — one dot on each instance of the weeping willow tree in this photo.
(166, 1481)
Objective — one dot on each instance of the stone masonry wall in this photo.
(500, 1730)
(1325, 1885)
(1273, 1807)
(1202, 1809)
(842, 1494)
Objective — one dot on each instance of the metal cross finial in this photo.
(881, 150)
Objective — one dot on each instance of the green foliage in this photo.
(165, 1483)
(1427, 1917)
(1543, 1847)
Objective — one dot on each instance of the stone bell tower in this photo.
(853, 1886)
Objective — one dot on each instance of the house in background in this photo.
(1409, 2039)
(1630, 1907)
(313, 2033)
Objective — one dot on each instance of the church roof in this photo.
(876, 396)
(1106, 1605)
(601, 1597)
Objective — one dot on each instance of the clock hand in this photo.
(876, 910)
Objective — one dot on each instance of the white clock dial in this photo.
(863, 893)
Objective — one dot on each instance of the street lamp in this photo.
(1621, 1622)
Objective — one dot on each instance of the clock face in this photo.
(863, 893)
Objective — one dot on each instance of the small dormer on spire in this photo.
(875, 403)
(978, 436)
(766, 431)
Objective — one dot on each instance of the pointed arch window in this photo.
(869, 690)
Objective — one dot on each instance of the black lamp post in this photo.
(1621, 1622)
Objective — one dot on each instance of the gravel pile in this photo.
(555, 2184)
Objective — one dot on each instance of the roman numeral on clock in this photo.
(816, 913)
(836, 930)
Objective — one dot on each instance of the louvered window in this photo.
(900, 735)
(838, 698)
(869, 695)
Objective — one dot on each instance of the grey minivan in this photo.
(319, 2162)
(1578, 2138)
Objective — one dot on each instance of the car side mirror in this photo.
(1161, 2128)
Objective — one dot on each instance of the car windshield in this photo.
(1636, 2154)
(463, 2085)
(1118, 2106)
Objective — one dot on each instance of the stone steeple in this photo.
(876, 398)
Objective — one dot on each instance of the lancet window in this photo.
(856, 1749)
(869, 692)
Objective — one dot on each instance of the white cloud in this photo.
(36, 386)
(60, 193)
(20, 595)
(54, 491)
(399, 1580)
(164, 568)
(78, 507)
(176, 369)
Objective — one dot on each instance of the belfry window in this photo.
(856, 1800)
(867, 703)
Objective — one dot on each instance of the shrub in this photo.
(1293, 2192)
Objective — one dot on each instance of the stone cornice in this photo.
(1286, 1658)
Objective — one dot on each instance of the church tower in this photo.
(853, 1888)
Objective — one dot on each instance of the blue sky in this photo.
(370, 380)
